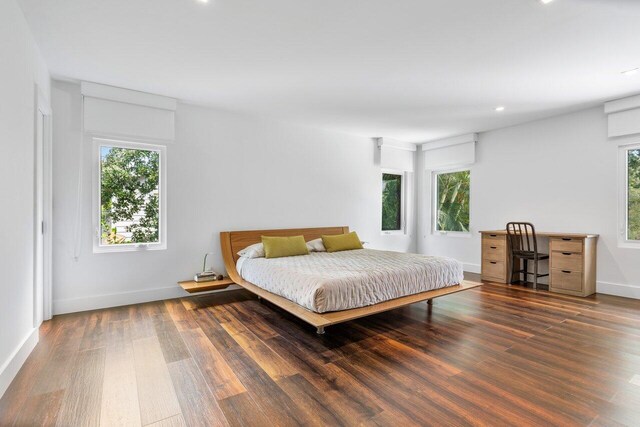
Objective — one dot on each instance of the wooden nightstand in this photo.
(194, 287)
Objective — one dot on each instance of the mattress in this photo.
(324, 282)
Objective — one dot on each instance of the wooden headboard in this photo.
(232, 242)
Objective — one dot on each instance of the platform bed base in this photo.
(233, 241)
(322, 320)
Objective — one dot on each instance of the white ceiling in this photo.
(414, 70)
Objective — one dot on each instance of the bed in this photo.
(325, 289)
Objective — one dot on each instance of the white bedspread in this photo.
(325, 282)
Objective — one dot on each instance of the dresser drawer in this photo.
(495, 269)
(494, 241)
(489, 236)
(566, 261)
(493, 251)
(566, 279)
(566, 244)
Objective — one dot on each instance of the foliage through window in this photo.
(129, 196)
(391, 202)
(633, 194)
(452, 201)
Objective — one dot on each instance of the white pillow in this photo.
(316, 246)
(253, 251)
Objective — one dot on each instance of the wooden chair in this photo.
(524, 246)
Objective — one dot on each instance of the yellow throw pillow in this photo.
(341, 242)
(278, 247)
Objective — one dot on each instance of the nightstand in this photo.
(192, 286)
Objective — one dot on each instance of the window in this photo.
(392, 203)
(630, 195)
(452, 201)
(130, 209)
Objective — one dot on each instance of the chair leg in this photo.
(526, 270)
(535, 273)
(511, 271)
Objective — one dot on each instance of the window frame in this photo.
(434, 202)
(403, 202)
(623, 196)
(98, 247)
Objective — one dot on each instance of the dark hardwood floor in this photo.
(494, 355)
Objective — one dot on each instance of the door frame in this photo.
(43, 107)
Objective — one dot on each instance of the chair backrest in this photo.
(522, 237)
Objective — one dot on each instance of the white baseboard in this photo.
(618, 289)
(10, 368)
(471, 268)
(74, 305)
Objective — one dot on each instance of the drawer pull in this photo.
(493, 235)
(566, 239)
(566, 271)
(566, 253)
(494, 247)
(492, 262)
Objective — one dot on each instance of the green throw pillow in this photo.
(278, 247)
(341, 242)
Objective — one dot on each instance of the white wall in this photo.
(22, 68)
(225, 172)
(560, 174)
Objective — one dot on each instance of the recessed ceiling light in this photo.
(631, 72)
(203, 1)
(546, 1)
(499, 109)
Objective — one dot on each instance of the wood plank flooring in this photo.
(495, 355)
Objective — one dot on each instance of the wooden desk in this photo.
(572, 260)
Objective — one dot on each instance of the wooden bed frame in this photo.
(234, 241)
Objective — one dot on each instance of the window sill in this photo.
(628, 245)
(456, 234)
(393, 233)
(128, 248)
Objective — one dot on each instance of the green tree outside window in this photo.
(452, 201)
(391, 202)
(129, 195)
(633, 195)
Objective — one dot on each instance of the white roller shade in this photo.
(623, 116)
(451, 152)
(121, 112)
(116, 118)
(396, 155)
